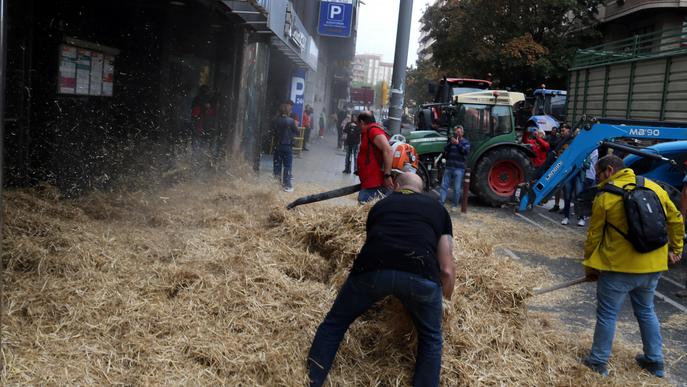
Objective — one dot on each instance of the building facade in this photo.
(369, 69)
(619, 19)
(100, 90)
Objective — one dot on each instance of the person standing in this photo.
(683, 210)
(374, 160)
(456, 153)
(620, 270)
(285, 131)
(352, 131)
(307, 124)
(408, 253)
(202, 117)
(341, 116)
(539, 146)
(323, 119)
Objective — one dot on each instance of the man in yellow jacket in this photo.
(621, 270)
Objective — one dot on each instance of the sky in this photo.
(377, 28)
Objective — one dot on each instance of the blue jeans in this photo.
(455, 174)
(570, 191)
(420, 296)
(283, 162)
(351, 154)
(611, 290)
(367, 194)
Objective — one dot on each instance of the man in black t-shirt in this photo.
(408, 253)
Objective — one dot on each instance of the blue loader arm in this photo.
(571, 161)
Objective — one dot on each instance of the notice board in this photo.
(85, 72)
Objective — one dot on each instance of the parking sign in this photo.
(336, 18)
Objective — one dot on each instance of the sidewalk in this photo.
(321, 165)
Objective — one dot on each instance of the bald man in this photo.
(408, 253)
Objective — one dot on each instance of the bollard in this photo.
(466, 189)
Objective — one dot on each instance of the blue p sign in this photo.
(336, 18)
(336, 12)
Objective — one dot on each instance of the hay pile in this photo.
(214, 283)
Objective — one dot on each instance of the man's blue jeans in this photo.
(611, 290)
(420, 296)
(367, 194)
(283, 162)
(455, 174)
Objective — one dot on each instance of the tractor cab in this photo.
(548, 110)
(435, 115)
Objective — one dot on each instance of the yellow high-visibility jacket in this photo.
(607, 250)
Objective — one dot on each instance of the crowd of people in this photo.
(415, 262)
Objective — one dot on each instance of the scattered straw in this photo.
(215, 283)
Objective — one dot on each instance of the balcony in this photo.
(615, 9)
(667, 42)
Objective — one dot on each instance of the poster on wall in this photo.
(108, 75)
(67, 76)
(96, 82)
(83, 71)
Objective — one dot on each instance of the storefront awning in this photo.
(254, 13)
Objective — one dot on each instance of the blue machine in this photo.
(593, 134)
(548, 110)
(660, 171)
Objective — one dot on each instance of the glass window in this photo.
(502, 119)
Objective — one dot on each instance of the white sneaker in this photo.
(581, 222)
(290, 189)
(565, 221)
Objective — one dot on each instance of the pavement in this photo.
(323, 165)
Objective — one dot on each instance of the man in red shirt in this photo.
(374, 160)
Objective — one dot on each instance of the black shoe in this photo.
(598, 368)
(347, 171)
(653, 368)
(305, 149)
(555, 208)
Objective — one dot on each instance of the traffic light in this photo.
(385, 93)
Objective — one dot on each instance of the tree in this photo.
(522, 43)
(417, 79)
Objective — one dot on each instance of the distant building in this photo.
(369, 69)
(619, 19)
(424, 49)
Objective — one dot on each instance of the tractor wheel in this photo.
(424, 174)
(498, 174)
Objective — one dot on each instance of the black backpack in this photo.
(647, 226)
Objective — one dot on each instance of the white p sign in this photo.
(297, 89)
(335, 12)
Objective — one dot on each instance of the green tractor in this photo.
(498, 161)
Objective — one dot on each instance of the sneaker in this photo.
(565, 221)
(598, 368)
(653, 368)
(454, 209)
(555, 208)
(288, 189)
(348, 171)
(681, 293)
(306, 149)
(581, 222)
